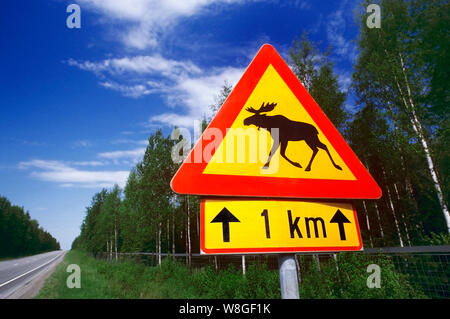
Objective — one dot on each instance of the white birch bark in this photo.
(377, 211)
(115, 238)
(403, 216)
(189, 233)
(420, 133)
(418, 129)
(391, 205)
(173, 234)
(159, 242)
(368, 223)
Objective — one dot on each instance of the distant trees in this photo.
(20, 235)
(148, 216)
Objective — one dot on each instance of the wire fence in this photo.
(426, 267)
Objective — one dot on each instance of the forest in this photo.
(20, 235)
(400, 132)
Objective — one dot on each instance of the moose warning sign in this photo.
(278, 139)
(275, 226)
(271, 139)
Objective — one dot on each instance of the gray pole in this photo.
(288, 276)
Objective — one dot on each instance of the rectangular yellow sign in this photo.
(233, 226)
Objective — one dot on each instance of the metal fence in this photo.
(425, 267)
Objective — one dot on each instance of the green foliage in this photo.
(220, 98)
(401, 130)
(128, 279)
(135, 221)
(350, 281)
(437, 239)
(20, 235)
(315, 70)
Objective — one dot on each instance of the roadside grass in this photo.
(172, 280)
(93, 286)
(102, 279)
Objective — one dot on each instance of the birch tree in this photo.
(391, 72)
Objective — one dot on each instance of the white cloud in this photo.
(196, 94)
(89, 163)
(141, 22)
(134, 91)
(130, 141)
(135, 154)
(336, 25)
(302, 4)
(65, 175)
(82, 143)
(147, 64)
(182, 83)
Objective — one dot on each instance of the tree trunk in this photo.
(173, 235)
(368, 224)
(377, 211)
(198, 224)
(189, 233)
(115, 238)
(418, 129)
(156, 243)
(316, 259)
(391, 204)
(403, 216)
(159, 242)
(168, 233)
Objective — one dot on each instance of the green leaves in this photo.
(314, 69)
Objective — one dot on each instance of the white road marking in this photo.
(5, 283)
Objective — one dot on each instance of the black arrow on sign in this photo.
(225, 217)
(340, 219)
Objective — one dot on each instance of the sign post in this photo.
(274, 173)
(288, 276)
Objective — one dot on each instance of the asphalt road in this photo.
(17, 273)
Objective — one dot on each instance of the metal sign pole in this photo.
(288, 276)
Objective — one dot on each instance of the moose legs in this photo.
(283, 146)
(283, 153)
(315, 144)
(272, 151)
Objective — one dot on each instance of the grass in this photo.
(93, 285)
(102, 279)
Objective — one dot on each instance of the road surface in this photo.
(23, 277)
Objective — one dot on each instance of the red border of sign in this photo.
(190, 178)
(274, 250)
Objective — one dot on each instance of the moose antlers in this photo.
(264, 108)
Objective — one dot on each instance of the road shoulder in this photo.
(35, 283)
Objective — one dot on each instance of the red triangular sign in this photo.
(271, 139)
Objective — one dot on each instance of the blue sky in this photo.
(77, 105)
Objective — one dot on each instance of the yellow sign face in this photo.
(245, 148)
(276, 226)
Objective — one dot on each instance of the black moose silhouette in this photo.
(288, 131)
